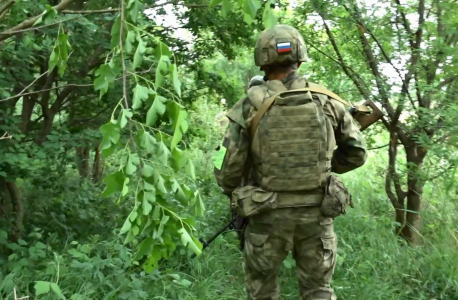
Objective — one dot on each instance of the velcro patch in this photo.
(283, 47)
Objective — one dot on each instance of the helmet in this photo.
(256, 80)
(282, 44)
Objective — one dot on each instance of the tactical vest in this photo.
(294, 142)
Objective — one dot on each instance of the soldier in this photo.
(286, 131)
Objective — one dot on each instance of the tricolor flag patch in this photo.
(283, 47)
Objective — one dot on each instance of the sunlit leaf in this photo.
(42, 287)
(192, 244)
(156, 110)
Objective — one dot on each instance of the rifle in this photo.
(206, 243)
(364, 116)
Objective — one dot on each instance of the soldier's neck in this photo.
(279, 76)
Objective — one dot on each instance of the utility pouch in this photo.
(248, 201)
(336, 199)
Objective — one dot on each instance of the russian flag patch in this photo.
(283, 47)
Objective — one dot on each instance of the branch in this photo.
(373, 65)
(341, 62)
(6, 136)
(113, 10)
(392, 175)
(382, 50)
(29, 23)
(446, 82)
(86, 12)
(124, 75)
(46, 90)
(405, 22)
(10, 33)
(5, 8)
(76, 122)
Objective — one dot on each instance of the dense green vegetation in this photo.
(109, 116)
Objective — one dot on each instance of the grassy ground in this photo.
(372, 263)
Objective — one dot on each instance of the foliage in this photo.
(107, 177)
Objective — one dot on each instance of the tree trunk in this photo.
(11, 208)
(82, 156)
(411, 230)
(18, 210)
(97, 166)
(410, 216)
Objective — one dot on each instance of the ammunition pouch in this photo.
(248, 201)
(336, 199)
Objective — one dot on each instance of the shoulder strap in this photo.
(266, 105)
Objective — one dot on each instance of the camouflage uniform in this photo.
(303, 230)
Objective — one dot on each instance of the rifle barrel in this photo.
(206, 243)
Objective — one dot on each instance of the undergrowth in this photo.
(372, 262)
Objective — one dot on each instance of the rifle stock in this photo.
(363, 114)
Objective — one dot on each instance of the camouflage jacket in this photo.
(232, 156)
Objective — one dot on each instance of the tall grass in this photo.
(372, 262)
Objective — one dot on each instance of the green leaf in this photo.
(159, 182)
(178, 118)
(147, 207)
(77, 297)
(56, 289)
(214, 3)
(125, 187)
(145, 140)
(179, 194)
(226, 7)
(47, 16)
(133, 215)
(110, 130)
(250, 7)
(163, 153)
(192, 244)
(180, 158)
(156, 212)
(42, 287)
(133, 8)
(114, 183)
(190, 171)
(59, 55)
(141, 93)
(199, 206)
(110, 137)
(268, 17)
(138, 56)
(144, 248)
(161, 70)
(135, 230)
(151, 197)
(175, 80)
(130, 39)
(147, 186)
(160, 229)
(105, 77)
(123, 116)
(158, 108)
(115, 30)
(161, 51)
(132, 162)
(147, 171)
(126, 227)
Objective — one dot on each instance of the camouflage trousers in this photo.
(311, 238)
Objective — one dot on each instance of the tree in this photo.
(67, 64)
(404, 57)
